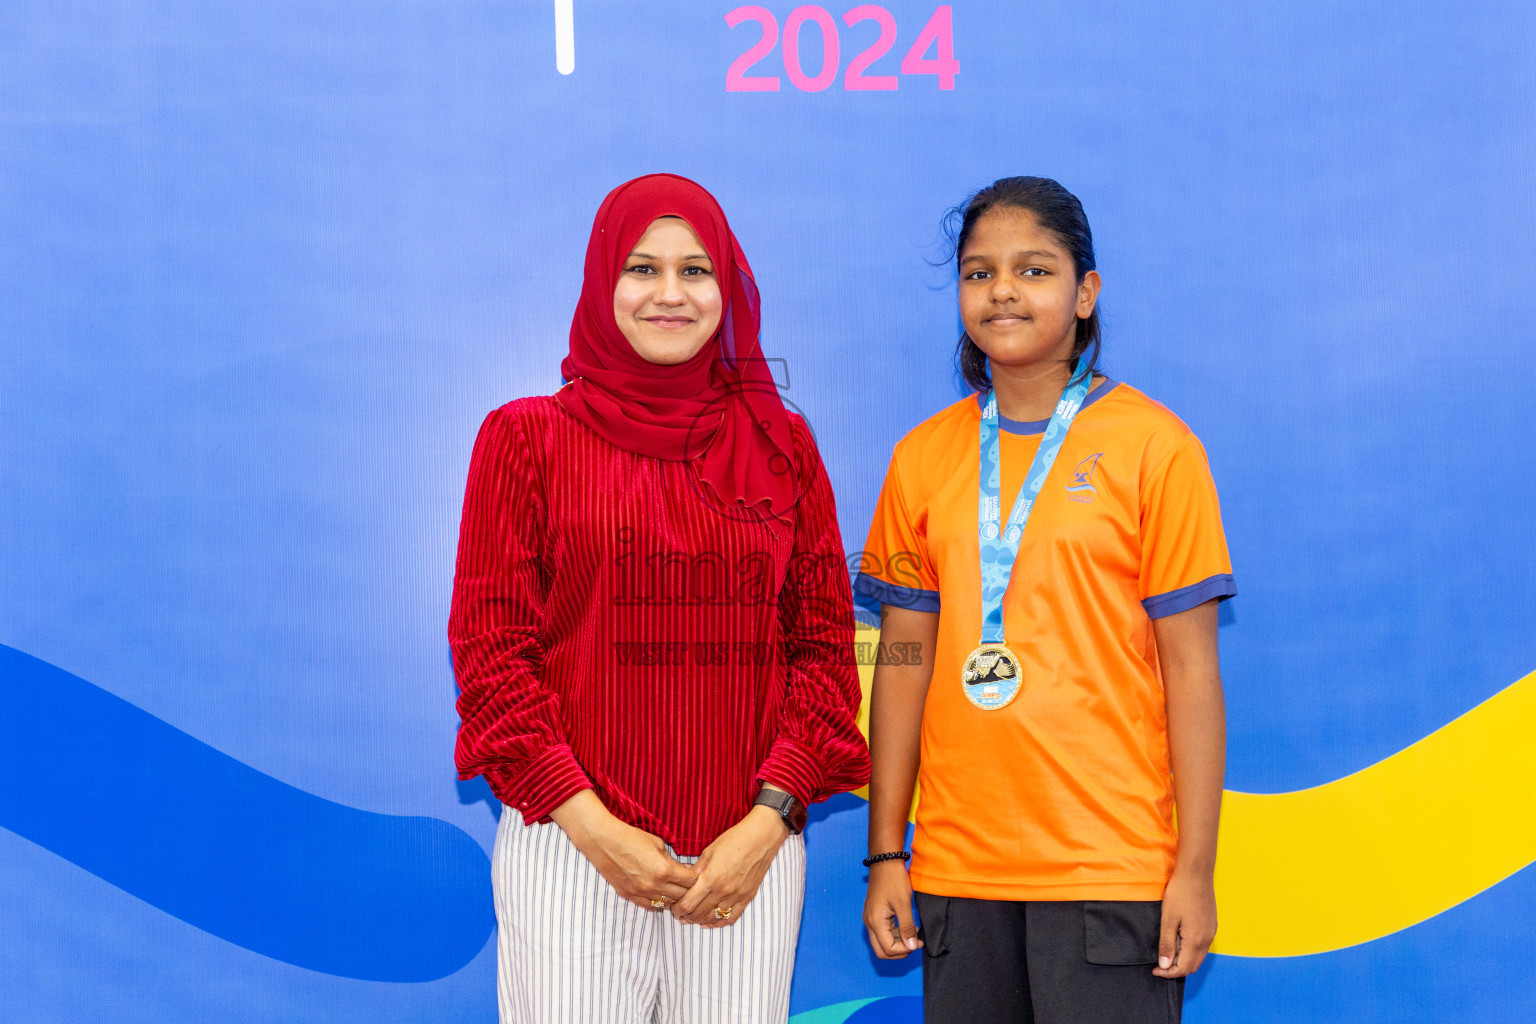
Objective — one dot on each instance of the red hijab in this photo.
(720, 409)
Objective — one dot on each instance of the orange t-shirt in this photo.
(1065, 793)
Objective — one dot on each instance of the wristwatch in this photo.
(790, 809)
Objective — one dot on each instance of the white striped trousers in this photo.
(569, 950)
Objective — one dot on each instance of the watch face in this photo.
(795, 816)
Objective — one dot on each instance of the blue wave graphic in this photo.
(225, 848)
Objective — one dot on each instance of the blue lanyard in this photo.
(999, 549)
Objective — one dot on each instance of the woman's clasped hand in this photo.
(713, 892)
(731, 868)
(630, 859)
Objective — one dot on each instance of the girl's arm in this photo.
(1197, 745)
(895, 725)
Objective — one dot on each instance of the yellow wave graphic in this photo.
(1382, 849)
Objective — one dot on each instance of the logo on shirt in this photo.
(1081, 488)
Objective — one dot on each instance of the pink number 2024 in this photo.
(937, 35)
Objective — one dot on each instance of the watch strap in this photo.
(790, 809)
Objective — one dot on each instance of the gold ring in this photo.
(658, 904)
(723, 913)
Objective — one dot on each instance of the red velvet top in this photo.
(615, 627)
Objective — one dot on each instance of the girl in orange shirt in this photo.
(1051, 881)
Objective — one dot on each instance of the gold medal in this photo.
(991, 677)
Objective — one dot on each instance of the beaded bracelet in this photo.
(894, 855)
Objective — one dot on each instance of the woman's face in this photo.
(1020, 299)
(667, 301)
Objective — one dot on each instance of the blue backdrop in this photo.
(266, 264)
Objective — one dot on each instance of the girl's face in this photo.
(1020, 299)
(667, 302)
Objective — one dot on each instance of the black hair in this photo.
(1060, 213)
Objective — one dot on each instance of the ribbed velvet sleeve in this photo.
(818, 750)
(511, 723)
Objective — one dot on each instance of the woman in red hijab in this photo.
(652, 632)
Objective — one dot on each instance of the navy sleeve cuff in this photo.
(866, 610)
(1216, 588)
(902, 597)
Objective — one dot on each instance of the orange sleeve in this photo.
(894, 567)
(1184, 560)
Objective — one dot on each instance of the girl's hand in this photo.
(1189, 925)
(888, 911)
(631, 860)
(731, 868)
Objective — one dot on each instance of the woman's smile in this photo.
(671, 323)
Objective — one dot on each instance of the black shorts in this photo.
(1070, 962)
